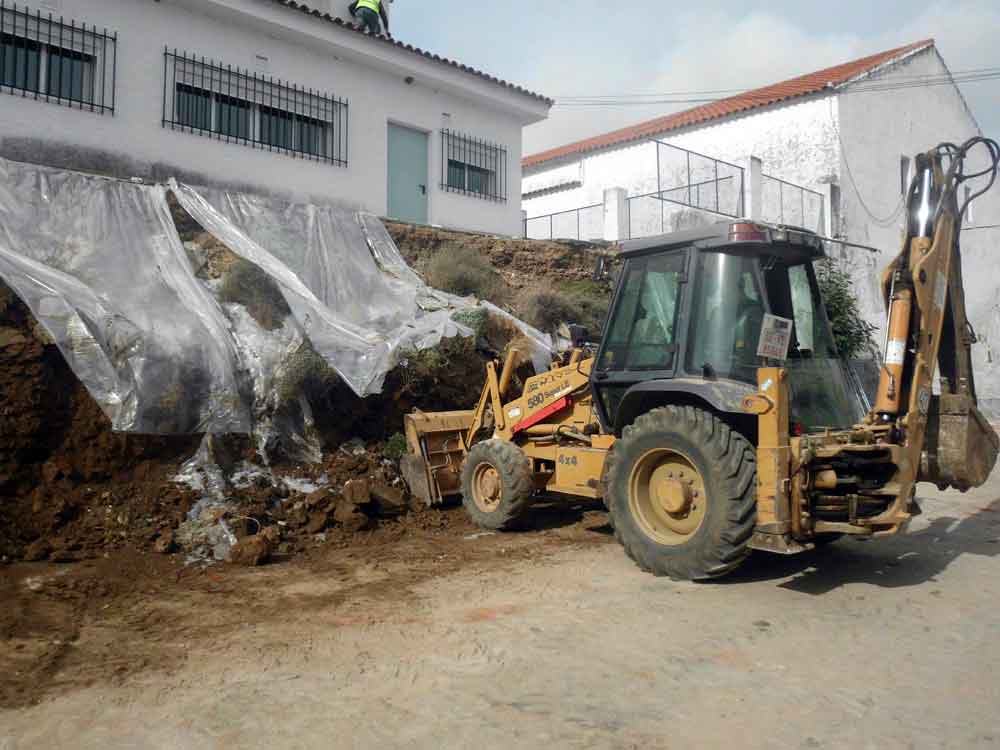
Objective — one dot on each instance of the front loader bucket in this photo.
(436, 443)
(961, 448)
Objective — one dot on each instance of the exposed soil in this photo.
(105, 588)
(104, 621)
(521, 262)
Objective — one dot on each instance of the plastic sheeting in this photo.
(100, 265)
(343, 277)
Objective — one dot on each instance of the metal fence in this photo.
(585, 223)
(55, 60)
(219, 101)
(688, 185)
(784, 202)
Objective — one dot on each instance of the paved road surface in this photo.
(861, 645)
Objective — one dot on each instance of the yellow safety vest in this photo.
(374, 5)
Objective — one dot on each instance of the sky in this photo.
(585, 47)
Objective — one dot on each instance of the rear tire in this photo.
(497, 484)
(683, 494)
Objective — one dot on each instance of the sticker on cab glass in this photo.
(775, 336)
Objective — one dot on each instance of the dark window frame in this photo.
(474, 167)
(280, 117)
(74, 64)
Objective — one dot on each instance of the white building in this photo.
(846, 134)
(266, 96)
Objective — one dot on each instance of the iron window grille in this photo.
(473, 166)
(219, 101)
(57, 61)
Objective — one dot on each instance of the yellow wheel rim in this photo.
(487, 489)
(666, 496)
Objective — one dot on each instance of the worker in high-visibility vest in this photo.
(368, 13)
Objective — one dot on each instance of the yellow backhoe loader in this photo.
(716, 416)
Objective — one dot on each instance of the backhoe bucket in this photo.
(961, 448)
(436, 443)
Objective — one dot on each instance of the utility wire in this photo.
(901, 78)
(887, 221)
(988, 74)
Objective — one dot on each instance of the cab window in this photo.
(643, 327)
(726, 317)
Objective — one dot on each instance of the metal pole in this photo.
(717, 186)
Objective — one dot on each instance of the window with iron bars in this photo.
(473, 166)
(229, 104)
(55, 60)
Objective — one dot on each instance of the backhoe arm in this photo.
(945, 439)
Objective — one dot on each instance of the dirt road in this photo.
(545, 639)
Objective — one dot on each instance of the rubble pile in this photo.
(71, 488)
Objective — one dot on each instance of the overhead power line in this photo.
(705, 97)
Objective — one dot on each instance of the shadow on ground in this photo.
(906, 560)
(557, 513)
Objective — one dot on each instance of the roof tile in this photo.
(796, 87)
(410, 48)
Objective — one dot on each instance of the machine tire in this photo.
(511, 470)
(726, 468)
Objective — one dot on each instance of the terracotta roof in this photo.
(347, 24)
(748, 100)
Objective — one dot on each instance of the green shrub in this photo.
(851, 331)
(463, 272)
(584, 303)
(395, 447)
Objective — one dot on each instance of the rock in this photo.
(298, 516)
(38, 551)
(252, 551)
(65, 556)
(11, 337)
(166, 543)
(272, 534)
(354, 447)
(357, 492)
(318, 499)
(389, 501)
(350, 518)
(317, 522)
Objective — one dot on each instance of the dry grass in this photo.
(546, 306)
(460, 271)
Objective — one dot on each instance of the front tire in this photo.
(682, 493)
(497, 484)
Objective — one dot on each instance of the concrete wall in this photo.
(795, 142)
(299, 49)
(880, 128)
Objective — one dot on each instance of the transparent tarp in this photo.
(100, 265)
(343, 277)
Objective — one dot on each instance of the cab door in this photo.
(641, 340)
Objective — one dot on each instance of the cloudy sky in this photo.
(586, 47)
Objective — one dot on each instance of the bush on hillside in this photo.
(457, 270)
(584, 303)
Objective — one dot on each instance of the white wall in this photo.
(795, 142)
(299, 49)
(877, 130)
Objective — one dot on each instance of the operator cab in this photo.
(697, 312)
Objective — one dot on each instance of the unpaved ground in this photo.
(549, 638)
